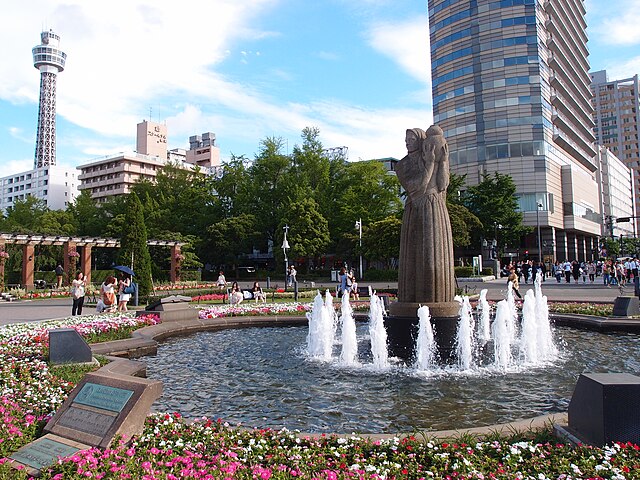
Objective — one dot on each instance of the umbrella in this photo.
(124, 269)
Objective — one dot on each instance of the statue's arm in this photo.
(442, 174)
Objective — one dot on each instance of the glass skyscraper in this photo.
(511, 90)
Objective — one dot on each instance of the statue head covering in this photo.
(420, 135)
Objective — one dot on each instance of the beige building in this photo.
(616, 189)
(117, 174)
(152, 139)
(616, 107)
(203, 150)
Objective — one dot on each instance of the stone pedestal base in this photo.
(402, 327)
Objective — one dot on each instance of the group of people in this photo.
(348, 283)
(236, 295)
(113, 295)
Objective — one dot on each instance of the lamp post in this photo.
(538, 207)
(359, 227)
(285, 246)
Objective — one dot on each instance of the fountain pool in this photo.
(264, 377)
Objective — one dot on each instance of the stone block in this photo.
(67, 346)
(626, 307)
(605, 408)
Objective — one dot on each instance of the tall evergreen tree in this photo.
(134, 251)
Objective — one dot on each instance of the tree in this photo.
(494, 202)
(463, 222)
(88, 218)
(381, 240)
(230, 237)
(134, 251)
(308, 229)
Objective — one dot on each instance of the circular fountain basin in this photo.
(262, 377)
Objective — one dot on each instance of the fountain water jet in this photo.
(465, 344)
(484, 317)
(377, 332)
(501, 336)
(349, 353)
(321, 328)
(425, 345)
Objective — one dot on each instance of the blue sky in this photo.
(244, 69)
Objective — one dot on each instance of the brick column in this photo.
(174, 274)
(67, 261)
(2, 262)
(28, 263)
(85, 256)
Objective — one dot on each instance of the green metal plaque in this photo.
(104, 397)
(42, 453)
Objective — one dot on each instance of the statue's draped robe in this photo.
(426, 273)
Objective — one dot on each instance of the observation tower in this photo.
(49, 59)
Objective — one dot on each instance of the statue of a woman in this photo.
(426, 248)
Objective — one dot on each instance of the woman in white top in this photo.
(77, 292)
(221, 282)
(108, 294)
(123, 298)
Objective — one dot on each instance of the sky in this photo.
(247, 70)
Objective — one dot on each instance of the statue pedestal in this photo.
(402, 327)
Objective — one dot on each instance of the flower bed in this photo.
(172, 449)
(598, 309)
(255, 309)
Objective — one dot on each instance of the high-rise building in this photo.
(616, 107)
(616, 191)
(49, 59)
(511, 91)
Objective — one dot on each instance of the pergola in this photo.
(81, 245)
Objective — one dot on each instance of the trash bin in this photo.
(334, 275)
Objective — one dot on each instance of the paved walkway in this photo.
(36, 310)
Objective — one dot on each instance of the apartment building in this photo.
(510, 88)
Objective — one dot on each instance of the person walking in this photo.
(222, 281)
(567, 271)
(123, 297)
(59, 275)
(77, 293)
(513, 279)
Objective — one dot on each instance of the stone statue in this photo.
(426, 273)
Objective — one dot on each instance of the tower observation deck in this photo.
(49, 59)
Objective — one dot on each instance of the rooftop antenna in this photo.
(150, 110)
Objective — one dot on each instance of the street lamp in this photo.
(359, 227)
(538, 207)
(285, 246)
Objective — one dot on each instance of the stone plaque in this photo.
(104, 405)
(103, 396)
(87, 421)
(44, 452)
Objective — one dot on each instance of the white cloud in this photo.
(405, 42)
(614, 22)
(16, 166)
(617, 70)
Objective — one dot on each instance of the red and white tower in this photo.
(49, 59)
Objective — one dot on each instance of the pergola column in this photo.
(176, 260)
(67, 248)
(2, 262)
(85, 257)
(28, 263)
